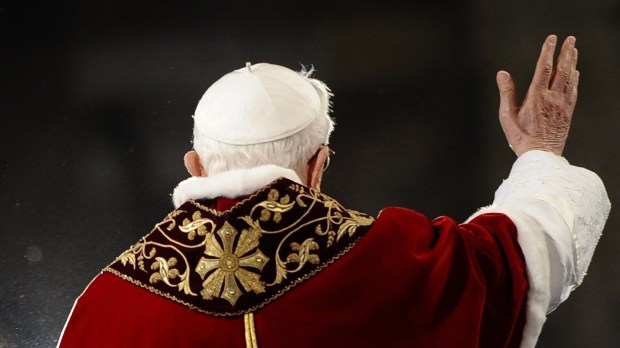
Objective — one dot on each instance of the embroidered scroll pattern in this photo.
(163, 269)
(231, 261)
(323, 226)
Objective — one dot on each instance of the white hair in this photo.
(293, 152)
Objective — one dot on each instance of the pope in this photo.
(254, 254)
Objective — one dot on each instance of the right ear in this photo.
(193, 165)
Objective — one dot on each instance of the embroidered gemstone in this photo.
(229, 263)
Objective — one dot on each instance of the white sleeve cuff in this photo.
(576, 194)
(559, 211)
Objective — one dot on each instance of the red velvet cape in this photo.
(409, 282)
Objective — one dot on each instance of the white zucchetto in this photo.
(257, 104)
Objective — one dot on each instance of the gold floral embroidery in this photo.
(229, 265)
(164, 271)
(323, 226)
(274, 206)
(163, 268)
(196, 226)
(302, 227)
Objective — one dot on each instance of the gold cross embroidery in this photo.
(229, 266)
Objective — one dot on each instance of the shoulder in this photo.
(417, 231)
(399, 218)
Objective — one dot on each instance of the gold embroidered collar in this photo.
(236, 261)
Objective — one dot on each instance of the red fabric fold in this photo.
(409, 282)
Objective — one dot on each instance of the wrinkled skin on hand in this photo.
(543, 120)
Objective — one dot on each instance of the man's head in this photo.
(262, 114)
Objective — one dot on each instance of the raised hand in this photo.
(543, 120)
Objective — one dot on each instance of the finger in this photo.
(565, 65)
(544, 66)
(571, 85)
(575, 57)
(572, 99)
(507, 100)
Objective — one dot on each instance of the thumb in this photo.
(507, 99)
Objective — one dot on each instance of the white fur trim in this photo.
(231, 184)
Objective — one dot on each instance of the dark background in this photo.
(96, 108)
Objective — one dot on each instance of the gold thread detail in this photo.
(250, 331)
(249, 310)
(234, 207)
(228, 265)
(230, 250)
